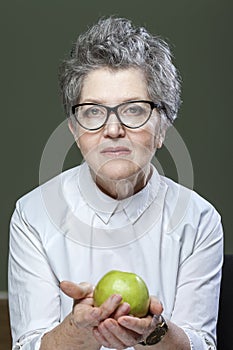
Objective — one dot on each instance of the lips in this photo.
(116, 151)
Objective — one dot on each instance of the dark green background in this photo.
(36, 35)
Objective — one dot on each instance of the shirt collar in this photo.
(105, 206)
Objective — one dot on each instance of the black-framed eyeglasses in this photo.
(132, 114)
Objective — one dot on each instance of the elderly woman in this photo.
(121, 92)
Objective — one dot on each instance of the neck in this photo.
(123, 188)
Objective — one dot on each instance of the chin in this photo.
(117, 173)
(118, 170)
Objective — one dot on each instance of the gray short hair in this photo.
(115, 43)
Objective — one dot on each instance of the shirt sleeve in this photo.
(34, 294)
(198, 289)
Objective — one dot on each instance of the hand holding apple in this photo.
(110, 323)
(84, 314)
(125, 330)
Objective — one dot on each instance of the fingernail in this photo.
(117, 298)
(125, 307)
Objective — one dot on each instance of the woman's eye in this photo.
(94, 112)
(133, 110)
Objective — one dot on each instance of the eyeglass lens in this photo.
(131, 114)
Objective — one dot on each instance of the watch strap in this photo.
(158, 333)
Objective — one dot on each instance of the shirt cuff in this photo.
(32, 340)
(198, 341)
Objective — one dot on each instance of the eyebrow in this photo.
(102, 102)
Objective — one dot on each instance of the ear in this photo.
(71, 127)
(159, 138)
(73, 130)
(158, 142)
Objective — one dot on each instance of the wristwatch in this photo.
(157, 334)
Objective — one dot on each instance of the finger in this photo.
(156, 307)
(106, 337)
(100, 338)
(87, 300)
(116, 336)
(110, 306)
(85, 316)
(123, 309)
(135, 324)
(76, 291)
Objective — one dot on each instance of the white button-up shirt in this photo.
(67, 229)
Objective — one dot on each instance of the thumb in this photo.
(156, 307)
(76, 291)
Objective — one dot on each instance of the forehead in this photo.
(106, 85)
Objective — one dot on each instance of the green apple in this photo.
(129, 285)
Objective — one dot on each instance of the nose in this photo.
(113, 128)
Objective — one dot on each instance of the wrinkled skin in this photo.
(111, 323)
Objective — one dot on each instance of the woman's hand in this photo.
(84, 314)
(110, 323)
(125, 331)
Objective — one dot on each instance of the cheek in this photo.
(154, 135)
(89, 145)
(145, 141)
(84, 145)
(84, 140)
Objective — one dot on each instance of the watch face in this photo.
(157, 334)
